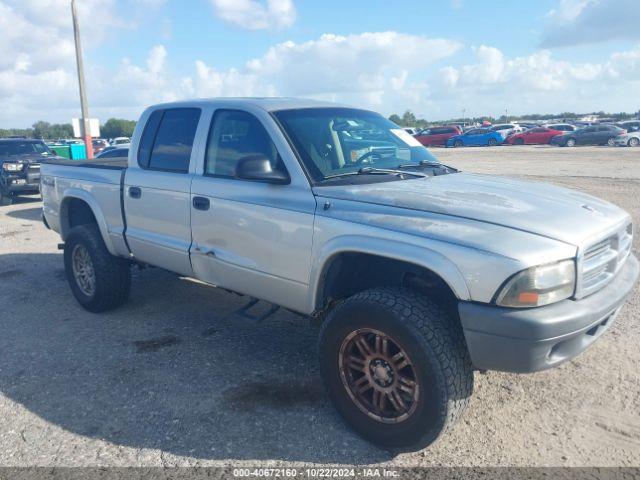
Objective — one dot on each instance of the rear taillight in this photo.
(622, 132)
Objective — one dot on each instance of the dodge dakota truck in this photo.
(419, 274)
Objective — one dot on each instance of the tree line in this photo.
(114, 127)
(409, 119)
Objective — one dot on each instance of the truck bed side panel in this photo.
(98, 187)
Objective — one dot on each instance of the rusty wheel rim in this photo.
(379, 376)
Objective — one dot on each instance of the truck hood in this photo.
(539, 208)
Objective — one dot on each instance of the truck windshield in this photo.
(23, 148)
(336, 141)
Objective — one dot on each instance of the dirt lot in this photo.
(176, 378)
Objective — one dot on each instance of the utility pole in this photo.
(84, 122)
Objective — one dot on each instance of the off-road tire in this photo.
(112, 274)
(433, 339)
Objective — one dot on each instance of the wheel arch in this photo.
(334, 265)
(78, 207)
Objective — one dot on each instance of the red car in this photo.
(535, 136)
(437, 135)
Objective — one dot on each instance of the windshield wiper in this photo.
(427, 163)
(376, 171)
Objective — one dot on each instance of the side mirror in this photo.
(258, 168)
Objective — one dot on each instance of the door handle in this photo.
(135, 192)
(201, 203)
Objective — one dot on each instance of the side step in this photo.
(246, 311)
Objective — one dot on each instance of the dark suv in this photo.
(20, 166)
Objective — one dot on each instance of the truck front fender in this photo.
(86, 197)
(412, 254)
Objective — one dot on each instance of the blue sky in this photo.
(433, 57)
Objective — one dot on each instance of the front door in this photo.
(249, 236)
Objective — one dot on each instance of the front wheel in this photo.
(98, 280)
(633, 142)
(492, 142)
(570, 142)
(519, 141)
(458, 143)
(396, 367)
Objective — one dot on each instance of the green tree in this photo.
(49, 131)
(117, 127)
(395, 119)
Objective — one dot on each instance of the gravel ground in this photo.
(176, 378)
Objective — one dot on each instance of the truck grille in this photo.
(601, 261)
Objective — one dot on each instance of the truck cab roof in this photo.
(269, 104)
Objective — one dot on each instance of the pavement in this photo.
(176, 378)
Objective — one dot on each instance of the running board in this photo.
(245, 311)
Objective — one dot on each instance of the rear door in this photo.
(157, 195)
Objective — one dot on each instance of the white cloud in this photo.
(535, 83)
(576, 22)
(256, 14)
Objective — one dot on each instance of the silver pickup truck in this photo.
(418, 273)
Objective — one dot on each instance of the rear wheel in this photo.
(633, 142)
(458, 143)
(492, 142)
(98, 280)
(396, 367)
(571, 142)
(611, 142)
(519, 141)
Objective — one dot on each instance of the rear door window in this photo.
(168, 138)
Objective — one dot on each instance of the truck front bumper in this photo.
(532, 339)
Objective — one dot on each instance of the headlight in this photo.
(540, 285)
(12, 167)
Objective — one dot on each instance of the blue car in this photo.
(476, 137)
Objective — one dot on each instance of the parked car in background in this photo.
(506, 129)
(476, 137)
(115, 152)
(528, 126)
(563, 127)
(630, 139)
(592, 135)
(535, 136)
(113, 147)
(629, 125)
(20, 166)
(99, 145)
(437, 135)
(120, 141)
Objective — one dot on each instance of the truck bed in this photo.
(116, 163)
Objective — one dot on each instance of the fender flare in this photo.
(416, 255)
(86, 197)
